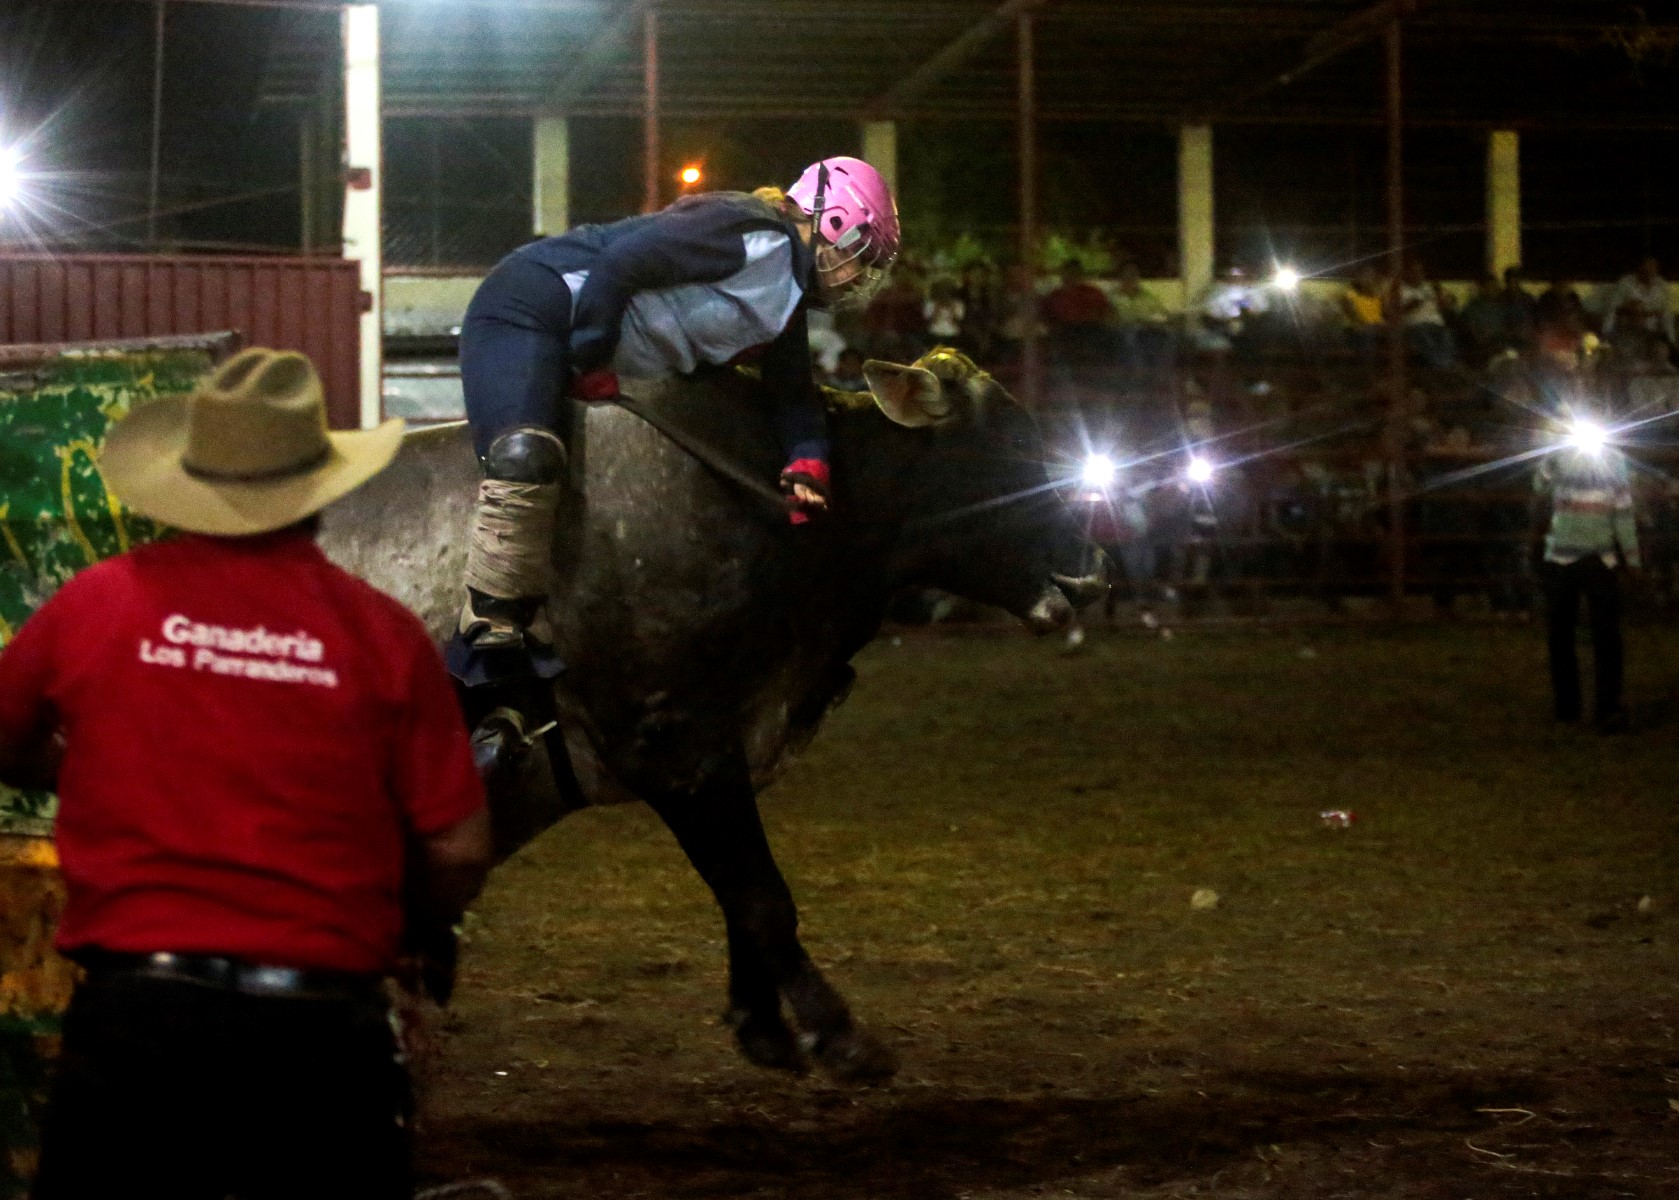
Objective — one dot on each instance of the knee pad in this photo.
(527, 455)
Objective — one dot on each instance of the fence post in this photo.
(1399, 398)
(1027, 118)
(650, 111)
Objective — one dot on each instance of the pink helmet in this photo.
(852, 207)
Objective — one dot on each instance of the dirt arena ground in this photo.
(1470, 993)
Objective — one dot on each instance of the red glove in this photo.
(595, 387)
(810, 473)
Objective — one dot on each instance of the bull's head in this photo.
(981, 516)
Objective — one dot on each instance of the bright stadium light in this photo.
(1286, 279)
(1099, 472)
(1200, 471)
(11, 177)
(1587, 436)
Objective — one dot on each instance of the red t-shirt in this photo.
(251, 732)
(1077, 304)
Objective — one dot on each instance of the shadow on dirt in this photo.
(944, 1147)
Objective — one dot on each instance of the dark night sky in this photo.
(75, 81)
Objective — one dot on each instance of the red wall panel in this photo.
(312, 305)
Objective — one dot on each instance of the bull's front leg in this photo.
(719, 829)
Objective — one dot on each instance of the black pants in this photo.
(185, 1091)
(1564, 585)
(515, 345)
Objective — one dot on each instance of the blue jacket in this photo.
(705, 281)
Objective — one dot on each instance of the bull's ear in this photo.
(911, 396)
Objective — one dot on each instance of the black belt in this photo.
(234, 975)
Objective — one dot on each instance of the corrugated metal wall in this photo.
(310, 305)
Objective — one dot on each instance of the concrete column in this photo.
(363, 217)
(1504, 200)
(651, 150)
(1195, 209)
(880, 150)
(308, 178)
(551, 205)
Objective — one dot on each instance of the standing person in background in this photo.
(1585, 499)
(1019, 317)
(980, 304)
(1143, 326)
(1226, 314)
(256, 754)
(944, 313)
(1642, 301)
(895, 321)
(1520, 311)
(1560, 320)
(848, 372)
(1079, 319)
(1482, 323)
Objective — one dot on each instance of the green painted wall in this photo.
(55, 515)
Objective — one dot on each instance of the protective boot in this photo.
(499, 742)
(507, 561)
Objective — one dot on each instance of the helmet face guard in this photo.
(847, 282)
(854, 222)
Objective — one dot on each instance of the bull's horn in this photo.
(1082, 590)
(911, 396)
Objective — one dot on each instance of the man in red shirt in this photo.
(255, 755)
(1078, 316)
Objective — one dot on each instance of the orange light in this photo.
(690, 176)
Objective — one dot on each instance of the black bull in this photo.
(705, 638)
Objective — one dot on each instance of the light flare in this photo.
(11, 177)
(1286, 279)
(1587, 436)
(1200, 470)
(1099, 472)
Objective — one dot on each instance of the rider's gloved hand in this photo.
(596, 386)
(806, 483)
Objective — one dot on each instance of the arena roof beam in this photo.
(597, 55)
(1363, 26)
(954, 54)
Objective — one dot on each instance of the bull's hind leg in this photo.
(718, 827)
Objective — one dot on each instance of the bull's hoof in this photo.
(767, 1042)
(854, 1056)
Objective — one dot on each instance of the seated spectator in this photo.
(1142, 324)
(1421, 309)
(847, 374)
(1640, 302)
(944, 313)
(1361, 305)
(895, 322)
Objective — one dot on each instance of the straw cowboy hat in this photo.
(247, 453)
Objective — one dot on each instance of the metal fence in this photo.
(312, 305)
